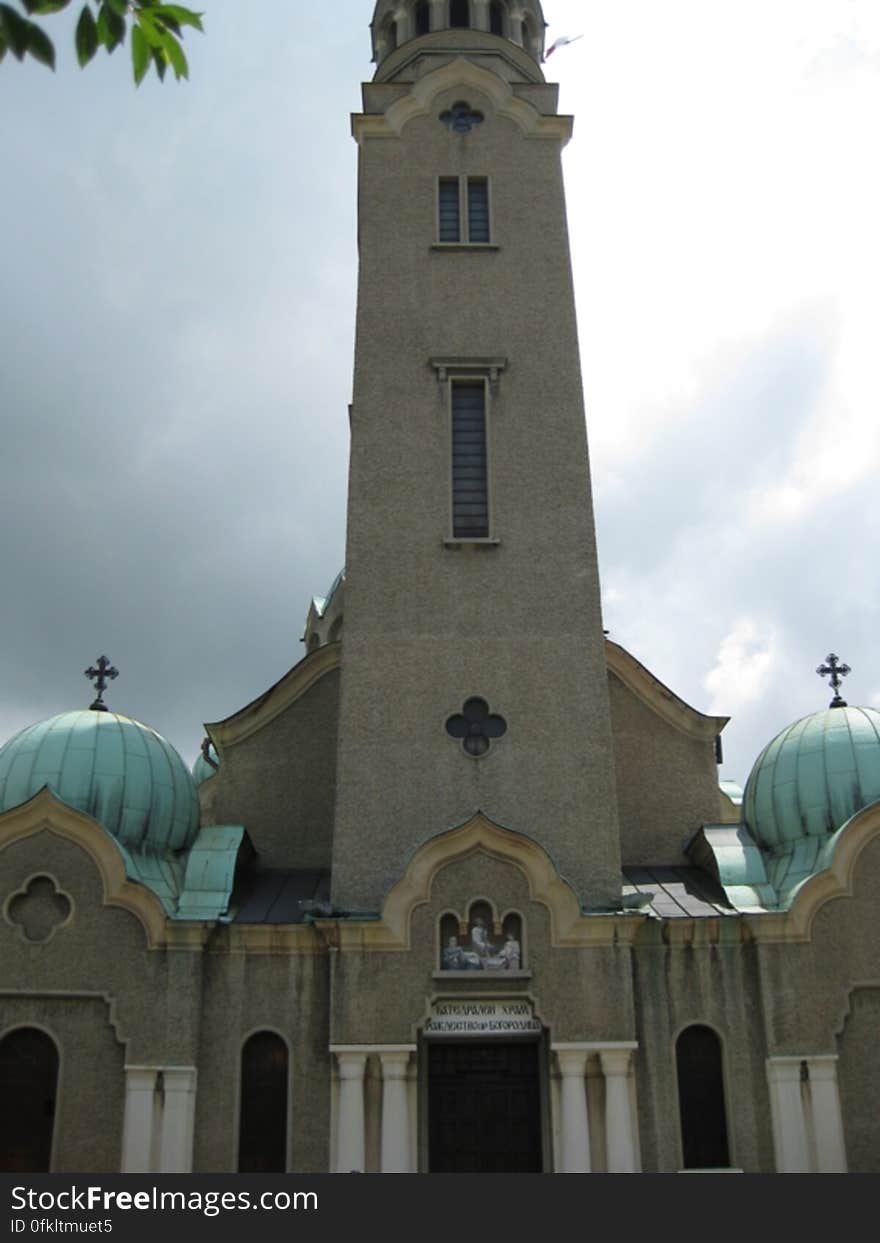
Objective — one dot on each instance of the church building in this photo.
(461, 892)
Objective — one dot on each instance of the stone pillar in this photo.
(178, 1120)
(789, 1124)
(395, 1156)
(439, 14)
(827, 1115)
(574, 1119)
(350, 1133)
(480, 14)
(137, 1125)
(515, 25)
(620, 1139)
(404, 24)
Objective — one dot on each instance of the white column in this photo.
(827, 1115)
(350, 1134)
(395, 1156)
(480, 14)
(515, 24)
(789, 1123)
(620, 1141)
(402, 24)
(574, 1120)
(439, 14)
(178, 1120)
(137, 1124)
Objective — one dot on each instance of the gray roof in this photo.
(678, 893)
(276, 897)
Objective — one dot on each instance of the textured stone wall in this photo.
(667, 783)
(426, 625)
(280, 783)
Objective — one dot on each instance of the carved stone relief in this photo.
(481, 942)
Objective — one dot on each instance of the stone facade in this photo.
(576, 889)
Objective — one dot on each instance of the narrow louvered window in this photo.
(423, 18)
(463, 210)
(496, 18)
(470, 478)
(478, 209)
(450, 212)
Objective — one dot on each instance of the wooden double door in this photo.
(484, 1108)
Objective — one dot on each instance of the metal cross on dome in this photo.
(100, 677)
(461, 118)
(476, 726)
(834, 670)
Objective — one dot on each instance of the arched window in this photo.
(459, 13)
(496, 18)
(701, 1099)
(262, 1133)
(28, 1089)
(391, 35)
(423, 18)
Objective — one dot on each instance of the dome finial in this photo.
(834, 670)
(100, 676)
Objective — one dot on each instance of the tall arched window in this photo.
(262, 1133)
(28, 1089)
(496, 18)
(423, 18)
(701, 1099)
(459, 13)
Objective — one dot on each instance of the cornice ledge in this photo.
(460, 73)
(258, 714)
(286, 939)
(659, 698)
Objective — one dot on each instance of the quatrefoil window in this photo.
(461, 118)
(39, 909)
(476, 726)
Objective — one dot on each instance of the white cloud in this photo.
(746, 655)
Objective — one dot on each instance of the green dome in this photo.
(121, 772)
(813, 777)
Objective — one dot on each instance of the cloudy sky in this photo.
(177, 283)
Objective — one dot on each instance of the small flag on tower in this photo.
(561, 42)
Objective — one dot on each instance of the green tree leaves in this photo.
(156, 31)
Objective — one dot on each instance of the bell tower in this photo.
(473, 664)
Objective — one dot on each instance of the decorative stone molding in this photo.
(837, 880)
(38, 909)
(251, 719)
(46, 813)
(459, 365)
(464, 74)
(659, 698)
(569, 927)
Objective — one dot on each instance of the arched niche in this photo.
(263, 1108)
(29, 1064)
(701, 1106)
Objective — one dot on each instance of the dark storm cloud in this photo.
(176, 328)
